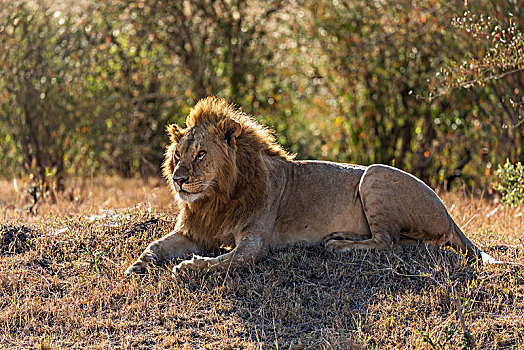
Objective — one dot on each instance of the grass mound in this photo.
(64, 287)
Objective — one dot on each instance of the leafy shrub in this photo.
(511, 185)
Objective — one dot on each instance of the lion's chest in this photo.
(212, 231)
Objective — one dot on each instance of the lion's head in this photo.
(219, 149)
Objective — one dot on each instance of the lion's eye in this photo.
(201, 155)
(177, 154)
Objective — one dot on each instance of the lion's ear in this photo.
(174, 132)
(229, 130)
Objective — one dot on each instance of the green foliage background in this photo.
(433, 87)
(511, 183)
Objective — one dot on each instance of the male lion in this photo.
(236, 186)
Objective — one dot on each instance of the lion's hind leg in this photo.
(339, 245)
(340, 242)
(385, 232)
(386, 196)
(344, 236)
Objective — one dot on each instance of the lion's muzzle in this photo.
(180, 180)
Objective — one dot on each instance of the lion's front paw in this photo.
(141, 264)
(195, 264)
(136, 267)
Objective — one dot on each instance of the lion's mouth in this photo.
(187, 192)
(190, 197)
(193, 189)
(190, 188)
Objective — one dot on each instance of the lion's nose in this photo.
(180, 180)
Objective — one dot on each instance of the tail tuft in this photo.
(461, 243)
(488, 259)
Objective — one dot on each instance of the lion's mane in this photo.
(243, 177)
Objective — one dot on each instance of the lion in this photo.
(236, 186)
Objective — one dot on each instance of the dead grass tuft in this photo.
(67, 288)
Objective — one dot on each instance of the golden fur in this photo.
(236, 185)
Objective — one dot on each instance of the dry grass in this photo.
(61, 284)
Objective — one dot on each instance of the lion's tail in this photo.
(461, 243)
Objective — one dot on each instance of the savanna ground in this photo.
(62, 283)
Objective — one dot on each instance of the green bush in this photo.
(511, 183)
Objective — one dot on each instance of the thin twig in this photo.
(460, 316)
(471, 83)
